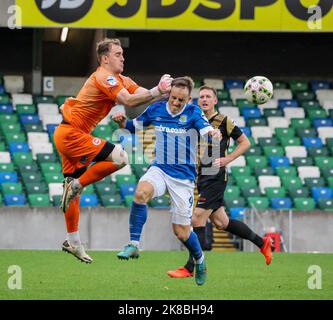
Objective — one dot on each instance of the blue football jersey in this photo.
(176, 137)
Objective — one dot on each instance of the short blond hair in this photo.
(103, 47)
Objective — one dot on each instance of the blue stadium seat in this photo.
(237, 213)
(281, 203)
(127, 190)
(250, 112)
(8, 177)
(18, 147)
(88, 200)
(320, 84)
(128, 140)
(326, 122)
(50, 128)
(277, 161)
(2, 89)
(29, 119)
(287, 103)
(246, 131)
(15, 200)
(6, 108)
(312, 142)
(321, 193)
(234, 84)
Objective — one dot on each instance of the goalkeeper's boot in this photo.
(129, 251)
(200, 273)
(266, 249)
(77, 251)
(69, 193)
(181, 272)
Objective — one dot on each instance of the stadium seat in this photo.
(222, 94)
(33, 128)
(251, 122)
(298, 85)
(6, 108)
(48, 167)
(286, 141)
(308, 172)
(246, 181)
(235, 203)
(238, 162)
(325, 204)
(304, 204)
(11, 188)
(321, 193)
(318, 152)
(234, 84)
(291, 182)
(295, 151)
(53, 177)
(261, 132)
(327, 172)
(284, 132)
(55, 189)
(231, 192)
(306, 132)
(314, 182)
(319, 84)
(29, 119)
(88, 200)
(266, 171)
(38, 187)
(8, 177)
(231, 112)
(325, 133)
(22, 157)
(127, 189)
(250, 112)
(300, 123)
(276, 161)
(312, 142)
(268, 181)
(300, 192)
(283, 94)
(224, 103)
(5, 157)
(305, 96)
(281, 203)
(44, 99)
(214, 83)
(273, 151)
(287, 103)
(240, 171)
(272, 113)
(237, 213)
(27, 167)
(278, 122)
(258, 202)
(112, 201)
(25, 109)
(14, 137)
(302, 161)
(46, 158)
(162, 202)
(39, 200)
(275, 192)
(286, 171)
(15, 200)
(7, 167)
(14, 83)
(125, 170)
(254, 151)
(327, 122)
(256, 161)
(18, 147)
(28, 177)
(42, 147)
(10, 127)
(250, 191)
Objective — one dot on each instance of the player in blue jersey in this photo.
(177, 124)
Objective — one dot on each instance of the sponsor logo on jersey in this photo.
(170, 130)
(96, 141)
(112, 81)
(182, 119)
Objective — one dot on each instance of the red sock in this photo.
(97, 172)
(72, 215)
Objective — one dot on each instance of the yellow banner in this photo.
(230, 15)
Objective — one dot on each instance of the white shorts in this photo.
(181, 192)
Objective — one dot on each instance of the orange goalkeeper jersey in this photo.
(95, 99)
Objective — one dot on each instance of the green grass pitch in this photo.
(58, 275)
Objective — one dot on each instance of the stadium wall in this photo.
(308, 231)
(102, 228)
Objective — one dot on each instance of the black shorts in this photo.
(211, 192)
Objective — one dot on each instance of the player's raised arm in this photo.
(143, 95)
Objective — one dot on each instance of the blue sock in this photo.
(193, 245)
(138, 217)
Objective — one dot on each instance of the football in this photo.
(258, 90)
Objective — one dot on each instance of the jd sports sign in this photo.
(64, 11)
(261, 15)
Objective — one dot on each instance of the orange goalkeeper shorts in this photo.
(77, 148)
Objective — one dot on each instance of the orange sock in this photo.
(72, 215)
(97, 171)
